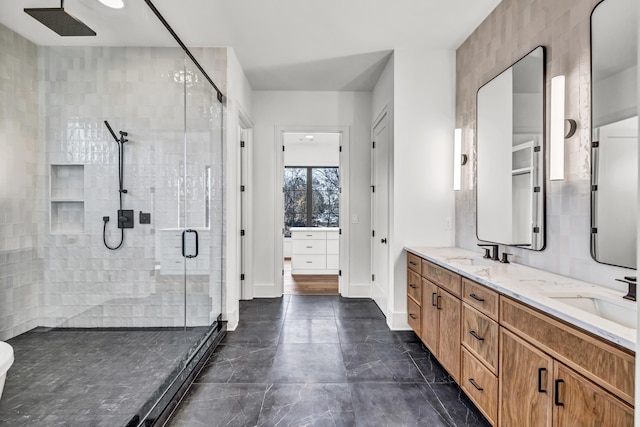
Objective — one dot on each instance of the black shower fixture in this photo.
(125, 217)
(56, 19)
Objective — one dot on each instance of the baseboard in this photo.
(397, 321)
(232, 318)
(359, 290)
(266, 290)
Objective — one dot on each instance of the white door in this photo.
(380, 213)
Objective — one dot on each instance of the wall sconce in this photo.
(559, 129)
(459, 159)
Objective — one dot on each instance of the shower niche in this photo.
(67, 199)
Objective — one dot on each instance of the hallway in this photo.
(322, 360)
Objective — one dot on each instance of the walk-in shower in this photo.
(107, 337)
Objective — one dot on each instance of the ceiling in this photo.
(281, 44)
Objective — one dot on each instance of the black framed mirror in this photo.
(614, 124)
(510, 151)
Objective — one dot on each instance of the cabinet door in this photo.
(525, 383)
(450, 309)
(430, 329)
(579, 402)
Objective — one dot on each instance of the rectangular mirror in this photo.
(614, 111)
(510, 151)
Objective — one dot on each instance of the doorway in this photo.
(311, 207)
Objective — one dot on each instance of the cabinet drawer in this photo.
(606, 365)
(413, 262)
(309, 247)
(413, 315)
(442, 277)
(333, 247)
(309, 235)
(414, 286)
(480, 297)
(480, 385)
(480, 336)
(309, 262)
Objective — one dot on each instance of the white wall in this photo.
(382, 96)
(272, 109)
(239, 94)
(312, 153)
(423, 198)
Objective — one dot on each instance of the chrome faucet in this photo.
(490, 249)
(631, 281)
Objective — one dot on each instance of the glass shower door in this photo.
(203, 197)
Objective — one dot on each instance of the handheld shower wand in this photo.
(125, 218)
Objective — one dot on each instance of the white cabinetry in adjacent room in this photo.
(315, 250)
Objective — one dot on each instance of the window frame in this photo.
(309, 192)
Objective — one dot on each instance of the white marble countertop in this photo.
(314, 228)
(533, 287)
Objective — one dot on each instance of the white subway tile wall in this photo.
(21, 200)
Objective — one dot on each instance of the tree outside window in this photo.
(311, 197)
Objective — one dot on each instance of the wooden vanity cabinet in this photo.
(480, 336)
(526, 381)
(430, 329)
(481, 385)
(440, 329)
(539, 389)
(449, 341)
(520, 366)
(579, 402)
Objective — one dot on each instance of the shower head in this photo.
(56, 19)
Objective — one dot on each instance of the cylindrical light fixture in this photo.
(556, 130)
(457, 158)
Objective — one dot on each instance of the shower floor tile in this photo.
(81, 377)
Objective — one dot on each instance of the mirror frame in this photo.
(543, 160)
(593, 153)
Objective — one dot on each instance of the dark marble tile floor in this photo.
(322, 361)
(89, 377)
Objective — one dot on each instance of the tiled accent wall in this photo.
(21, 216)
(141, 91)
(513, 29)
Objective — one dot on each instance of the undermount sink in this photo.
(614, 309)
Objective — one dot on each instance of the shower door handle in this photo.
(189, 243)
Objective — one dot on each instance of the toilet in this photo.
(6, 360)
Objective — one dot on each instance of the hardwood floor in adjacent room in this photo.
(308, 284)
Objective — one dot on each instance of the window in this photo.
(311, 197)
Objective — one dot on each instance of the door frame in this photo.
(344, 131)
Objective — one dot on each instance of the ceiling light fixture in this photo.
(114, 4)
(309, 137)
